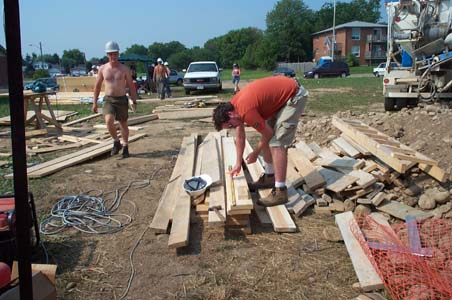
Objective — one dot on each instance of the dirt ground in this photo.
(263, 265)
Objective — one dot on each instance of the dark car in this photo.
(328, 69)
(49, 82)
(284, 71)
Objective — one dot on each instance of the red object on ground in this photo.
(6, 205)
(414, 259)
(5, 274)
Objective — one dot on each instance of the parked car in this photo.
(284, 71)
(176, 78)
(202, 75)
(329, 68)
(380, 70)
(49, 82)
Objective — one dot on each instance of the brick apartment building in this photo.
(3, 68)
(367, 41)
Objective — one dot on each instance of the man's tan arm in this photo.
(97, 88)
(131, 86)
(240, 138)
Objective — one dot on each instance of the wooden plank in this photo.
(302, 205)
(260, 211)
(414, 158)
(210, 161)
(188, 114)
(55, 148)
(346, 147)
(364, 179)
(434, 171)
(357, 146)
(336, 181)
(401, 211)
(371, 145)
(83, 119)
(36, 132)
(279, 216)
(180, 228)
(367, 276)
(306, 169)
(131, 121)
(71, 159)
(308, 153)
(76, 139)
(237, 187)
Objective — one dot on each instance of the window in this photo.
(356, 33)
(355, 51)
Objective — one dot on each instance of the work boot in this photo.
(266, 181)
(125, 152)
(276, 197)
(116, 147)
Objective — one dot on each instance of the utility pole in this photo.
(40, 49)
(334, 30)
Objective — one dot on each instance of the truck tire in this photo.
(389, 104)
(179, 82)
(401, 103)
(343, 75)
(187, 92)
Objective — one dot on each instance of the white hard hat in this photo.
(159, 60)
(166, 63)
(111, 47)
(197, 185)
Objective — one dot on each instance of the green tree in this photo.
(165, 50)
(266, 53)
(289, 25)
(40, 74)
(136, 49)
(72, 58)
(181, 60)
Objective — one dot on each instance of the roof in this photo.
(355, 24)
(135, 57)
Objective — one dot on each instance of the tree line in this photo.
(287, 38)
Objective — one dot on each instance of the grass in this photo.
(339, 94)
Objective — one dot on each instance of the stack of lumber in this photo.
(77, 84)
(61, 115)
(65, 161)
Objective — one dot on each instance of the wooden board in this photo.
(364, 179)
(83, 119)
(180, 228)
(237, 193)
(308, 153)
(311, 176)
(210, 161)
(71, 159)
(346, 147)
(336, 181)
(279, 216)
(401, 211)
(187, 114)
(216, 196)
(367, 276)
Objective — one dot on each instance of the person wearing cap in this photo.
(117, 78)
(236, 77)
(167, 80)
(272, 106)
(159, 78)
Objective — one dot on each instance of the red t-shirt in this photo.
(262, 99)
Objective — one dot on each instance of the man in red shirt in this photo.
(272, 106)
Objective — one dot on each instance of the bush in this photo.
(352, 60)
(40, 74)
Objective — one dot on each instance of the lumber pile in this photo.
(77, 84)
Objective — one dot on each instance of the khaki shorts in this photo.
(116, 106)
(285, 122)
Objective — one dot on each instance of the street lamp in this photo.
(40, 49)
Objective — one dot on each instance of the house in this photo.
(367, 41)
(3, 68)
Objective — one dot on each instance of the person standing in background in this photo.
(167, 81)
(159, 78)
(236, 77)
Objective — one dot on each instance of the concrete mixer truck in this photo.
(420, 41)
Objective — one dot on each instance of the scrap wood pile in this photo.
(95, 142)
(350, 175)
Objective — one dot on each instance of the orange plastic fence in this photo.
(414, 259)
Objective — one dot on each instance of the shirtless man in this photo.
(116, 104)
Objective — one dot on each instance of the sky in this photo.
(88, 24)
